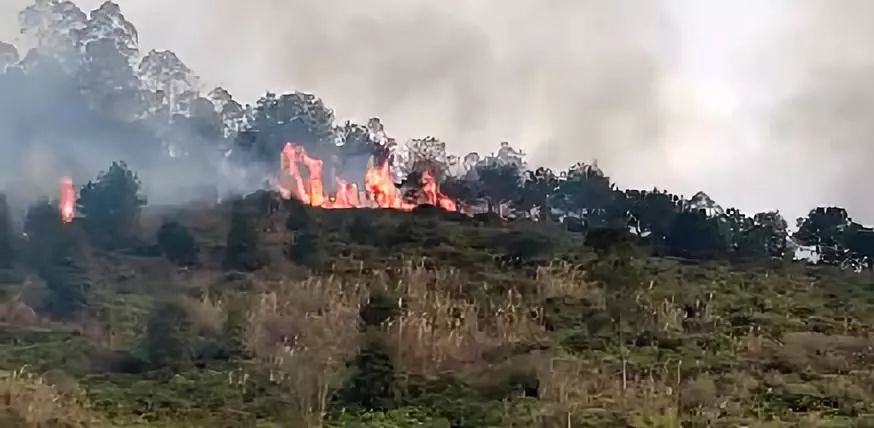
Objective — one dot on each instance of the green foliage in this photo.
(373, 384)
(243, 251)
(398, 418)
(298, 117)
(499, 183)
(178, 244)
(111, 206)
(307, 247)
(169, 337)
(695, 235)
(380, 308)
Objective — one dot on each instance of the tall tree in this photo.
(586, 193)
(298, 117)
(110, 45)
(825, 229)
(696, 235)
(56, 27)
(498, 184)
(233, 115)
(170, 80)
(650, 213)
(111, 206)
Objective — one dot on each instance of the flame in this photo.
(379, 186)
(68, 200)
(432, 194)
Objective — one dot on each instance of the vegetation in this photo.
(559, 300)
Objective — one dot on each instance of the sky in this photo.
(739, 98)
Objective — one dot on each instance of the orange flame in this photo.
(378, 185)
(68, 200)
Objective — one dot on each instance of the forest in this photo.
(188, 291)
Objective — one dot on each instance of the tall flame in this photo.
(68, 200)
(378, 185)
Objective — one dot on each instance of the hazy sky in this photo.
(727, 96)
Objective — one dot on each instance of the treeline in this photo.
(87, 90)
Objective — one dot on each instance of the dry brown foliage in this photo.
(29, 401)
(440, 332)
(304, 333)
(18, 313)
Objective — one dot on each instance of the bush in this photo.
(177, 244)
(169, 338)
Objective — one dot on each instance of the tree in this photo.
(650, 213)
(298, 117)
(7, 253)
(110, 45)
(233, 115)
(695, 235)
(538, 191)
(108, 23)
(307, 246)
(242, 251)
(163, 73)
(373, 384)
(762, 236)
(111, 206)
(178, 244)
(825, 228)
(169, 336)
(56, 27)
(59, 253)
(586, 193)
(498, 183)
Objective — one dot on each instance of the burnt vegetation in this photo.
(552, 300)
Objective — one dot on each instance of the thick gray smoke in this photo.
(565, 79)
(820, 73)
(568, 80)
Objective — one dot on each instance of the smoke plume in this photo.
(819, 69)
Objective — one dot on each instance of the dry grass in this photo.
(441, 332)
(29, 401)
(304, 333)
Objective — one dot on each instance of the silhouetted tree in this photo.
(498, 183)
(587, 193)
(178, 244)
(242, 251)
(307, 246)
(111, 206)
(825, 228)
(695, 235)
(298, 117)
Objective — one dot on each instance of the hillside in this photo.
(357, 318)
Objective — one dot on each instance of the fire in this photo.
(68, 200)
(380, 189)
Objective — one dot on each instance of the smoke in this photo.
(819, 69)
(565, 79)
